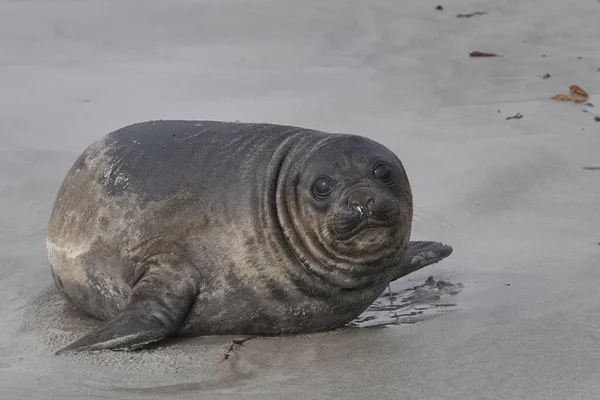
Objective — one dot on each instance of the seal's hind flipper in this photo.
(157, 306)
(421, 254)
(127, 331)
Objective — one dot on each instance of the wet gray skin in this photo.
(188, 228)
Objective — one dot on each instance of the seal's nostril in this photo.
(361, 201)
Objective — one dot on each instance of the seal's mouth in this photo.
(365, 225)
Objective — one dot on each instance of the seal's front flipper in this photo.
(421, 254)
(157, 306)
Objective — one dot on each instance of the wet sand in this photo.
(518, 199)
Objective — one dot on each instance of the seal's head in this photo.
(350, 202)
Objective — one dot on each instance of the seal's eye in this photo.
(322, 187)
(384, 173)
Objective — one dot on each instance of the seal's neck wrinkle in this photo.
(324, 268)
(276, 230)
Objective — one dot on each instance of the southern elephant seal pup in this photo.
(188, 228)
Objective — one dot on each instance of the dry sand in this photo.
(511, 196)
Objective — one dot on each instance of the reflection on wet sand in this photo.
(411, 305)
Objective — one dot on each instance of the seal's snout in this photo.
(362, 201)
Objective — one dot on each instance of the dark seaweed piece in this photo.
(482, 54)
(471, 14)
(516, 116)
(233, 343)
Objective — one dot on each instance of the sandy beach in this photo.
(517, 198)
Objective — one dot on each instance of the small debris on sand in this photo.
(546, 76)
(576, 91)
(597, 119)
(442, 284)
(565, 97)
(439, 8)
(482, 54)
(516, 116)
(471, 14)
(232, 345)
